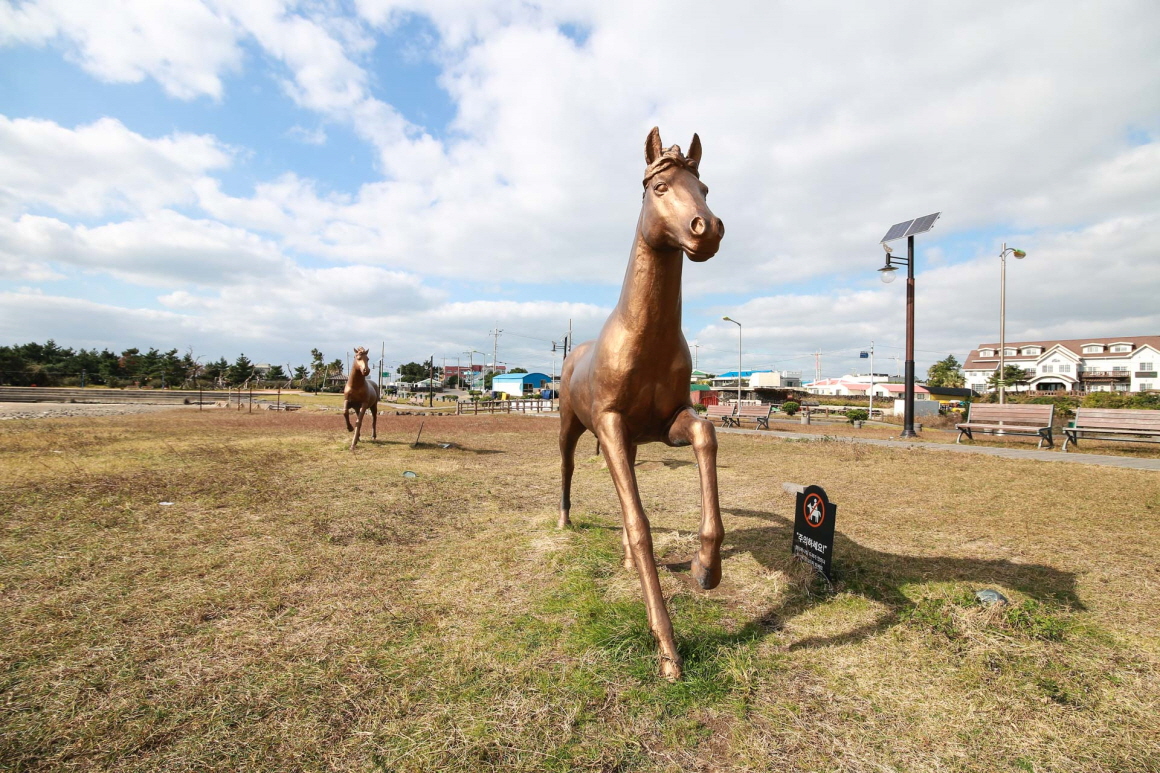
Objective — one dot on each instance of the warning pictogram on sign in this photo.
(813, 529)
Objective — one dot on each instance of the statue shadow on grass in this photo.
(882, 577)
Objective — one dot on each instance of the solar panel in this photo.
(924, 223)
(897, 231)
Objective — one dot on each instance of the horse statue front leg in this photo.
(619, 454)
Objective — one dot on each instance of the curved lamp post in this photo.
(738, 324)
(1019, 255)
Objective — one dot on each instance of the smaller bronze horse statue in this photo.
(631, 385)
(362, 395)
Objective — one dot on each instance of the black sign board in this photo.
(813, 529)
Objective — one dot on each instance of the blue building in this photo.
(521, 384)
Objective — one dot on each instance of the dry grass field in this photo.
(298, 607)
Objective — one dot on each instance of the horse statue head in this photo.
(362, 360)
(675, 215)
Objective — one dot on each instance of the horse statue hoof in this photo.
(670, 668)
(708, 580)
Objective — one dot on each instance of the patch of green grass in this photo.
(1034, 619)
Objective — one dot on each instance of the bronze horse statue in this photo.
(360, 395)
(631, 385)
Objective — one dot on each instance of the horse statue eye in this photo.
(660, 187)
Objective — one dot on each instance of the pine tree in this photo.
(946, 373)
(241, 370)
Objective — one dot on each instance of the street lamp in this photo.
(738, 324)
(1019, 255)
(908, 229)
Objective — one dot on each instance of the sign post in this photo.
(813, 528)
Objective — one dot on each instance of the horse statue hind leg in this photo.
(631, 385)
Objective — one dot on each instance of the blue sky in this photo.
(291, 175)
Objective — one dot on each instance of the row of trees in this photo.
(50, 364)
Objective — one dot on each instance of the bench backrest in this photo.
(719, 411)
(1012, 413)
(1117, 418)
(754, 411)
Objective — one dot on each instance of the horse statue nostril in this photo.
(720, 228)
(697, 226)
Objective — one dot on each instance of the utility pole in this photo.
(430, 382)
(382, 364)
(696, 351)
(818, 365)
(495, 348)
(871, 416)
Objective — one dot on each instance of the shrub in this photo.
(857, 414)
(699, 408)
(789, 407)
(1122, 400)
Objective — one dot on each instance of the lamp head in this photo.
(886, 273)
(1019, 254)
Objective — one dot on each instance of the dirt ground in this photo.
(231, 592)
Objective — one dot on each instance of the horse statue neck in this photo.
(356, 378)
(650, 298)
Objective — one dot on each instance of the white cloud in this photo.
(307, 136)
(817, 136)
(1097, 281)
(183, 44)
(164, 249)
(284, 325)
(100, 168)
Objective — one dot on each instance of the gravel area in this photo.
(58, 410)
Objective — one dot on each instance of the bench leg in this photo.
(962, 432)
(1046, 435)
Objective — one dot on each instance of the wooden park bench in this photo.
(1125, 424)
(722, 412)
(756, 413)
(1009, 419)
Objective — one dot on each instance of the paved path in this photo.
(58, 410)
(1126, 462)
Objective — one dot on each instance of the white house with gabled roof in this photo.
(1076, 365)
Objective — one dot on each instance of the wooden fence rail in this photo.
(471, 408)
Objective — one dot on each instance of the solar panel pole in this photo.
(908, 416)
(908, 229)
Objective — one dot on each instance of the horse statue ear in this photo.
(652, 146)
(695, 150)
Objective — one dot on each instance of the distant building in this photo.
(759, 379)
(1123, 364)
(776, 379)
(521, 384)
(860, 386)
